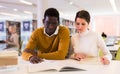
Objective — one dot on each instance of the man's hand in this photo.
(35, 59)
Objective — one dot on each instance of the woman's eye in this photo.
(83, 24)
(77, 24)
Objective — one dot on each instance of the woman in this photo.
(87, 43)
(13, 40)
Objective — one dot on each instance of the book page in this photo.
(48, 65)
(70, 68)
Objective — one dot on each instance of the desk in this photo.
(90, 68)
(113, 48)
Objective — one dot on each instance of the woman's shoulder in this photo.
(93, 33)
(74, 35)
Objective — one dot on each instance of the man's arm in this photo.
(33, 58)
(29, 49)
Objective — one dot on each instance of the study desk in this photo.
(91, 67)
(113, 48)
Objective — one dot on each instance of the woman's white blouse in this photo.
(89, 43)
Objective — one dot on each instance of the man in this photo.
(50, 41)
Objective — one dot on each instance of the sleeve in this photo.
(64, 39)
(72, 45)
(102, 46)
(32, 43)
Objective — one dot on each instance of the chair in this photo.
(20, 47)
(118, 42)
(118, 52)
(118, 55)
(101, 53)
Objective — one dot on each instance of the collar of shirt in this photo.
(84, 33)
(55, 33)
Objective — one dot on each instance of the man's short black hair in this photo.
(51, 12)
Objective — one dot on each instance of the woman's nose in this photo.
(80, 26)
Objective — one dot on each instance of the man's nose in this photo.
(51, 26)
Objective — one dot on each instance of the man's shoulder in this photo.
(39, 29)
(61, 28)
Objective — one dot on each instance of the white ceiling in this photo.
(95, 7)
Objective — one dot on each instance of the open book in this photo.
(52, 66)
(64, 69)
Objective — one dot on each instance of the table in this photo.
(90, 66)
(113, 48)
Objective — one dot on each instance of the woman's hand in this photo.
(6, 41)
(104, 60)
(79, 56)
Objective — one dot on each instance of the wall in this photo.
(108, 24)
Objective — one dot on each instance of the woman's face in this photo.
(10, 29)
(81, 25)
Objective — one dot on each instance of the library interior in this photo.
(20, 19)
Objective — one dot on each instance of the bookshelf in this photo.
(69, 24)
(27, 27)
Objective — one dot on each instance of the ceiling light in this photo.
(25, 2)
(112, 2)
(27, 12)
(1, 6)
(15, 9)
(70, 2)
(8, 14)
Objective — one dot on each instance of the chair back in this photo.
(20, 47)
(118, 54)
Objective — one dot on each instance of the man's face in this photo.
(50, 24)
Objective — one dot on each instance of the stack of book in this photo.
(8, 58)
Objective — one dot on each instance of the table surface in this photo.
(113, 48)
(92, 66)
